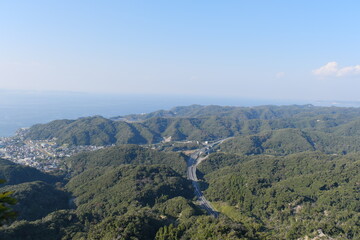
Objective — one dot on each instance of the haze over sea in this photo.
(24, 108)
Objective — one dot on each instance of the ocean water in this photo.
(24, 109)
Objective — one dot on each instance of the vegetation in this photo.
(37, 199)
(107, 190)
(6, 213)
(198, 123)
(125, 154)
(16, 174)
(289, 172)
(288, 141)
(292, 196)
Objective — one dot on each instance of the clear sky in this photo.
(257, 49)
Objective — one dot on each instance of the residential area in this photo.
(44, 155)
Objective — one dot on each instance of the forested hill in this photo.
(16, 174)
(35, 191)
(291, 196)
(265, 112)
(288, 172)
(125, 154)
(287, 141)
(123, 192)
(197, 122)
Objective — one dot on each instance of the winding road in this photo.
(192, 163)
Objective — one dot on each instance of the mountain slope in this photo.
(196, 123)
(287, 141)
(15, 174)
(109, 189)
(37, 199)
(125, 154)
(291, 196)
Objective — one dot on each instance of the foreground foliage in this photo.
(290, 172)
(6, 200)
(292, 196)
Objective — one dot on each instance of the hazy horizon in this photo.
(25, 108)
(239, 49)
(69, 59)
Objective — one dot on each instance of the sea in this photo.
(20, 109)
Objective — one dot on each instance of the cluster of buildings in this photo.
(44, 155)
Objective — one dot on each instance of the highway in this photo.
(194, 160)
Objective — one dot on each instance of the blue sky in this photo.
(306, 50)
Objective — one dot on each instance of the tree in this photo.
(6, 213)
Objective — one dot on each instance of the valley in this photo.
(206, 172)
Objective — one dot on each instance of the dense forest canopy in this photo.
(288, 172)
(199, 123)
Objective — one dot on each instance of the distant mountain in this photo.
(265, 112)
(289, 140)
(193, 123)
(288, 172)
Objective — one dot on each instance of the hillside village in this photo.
(44, 155)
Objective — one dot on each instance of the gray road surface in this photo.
(192, 163)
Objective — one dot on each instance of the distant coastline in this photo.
(23, 109)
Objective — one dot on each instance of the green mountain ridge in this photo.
(287, 141)
(197, 122)
(288, 172)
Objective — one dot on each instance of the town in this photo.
(45, 155)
